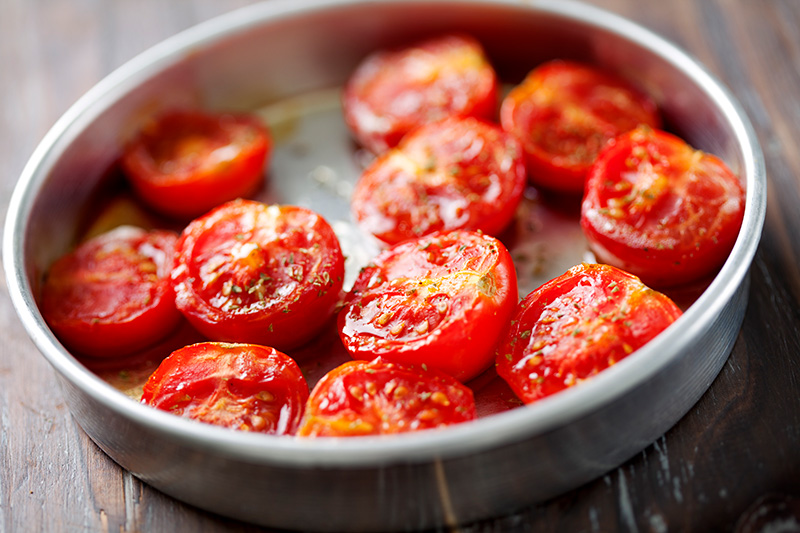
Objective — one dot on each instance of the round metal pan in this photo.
(266, 58)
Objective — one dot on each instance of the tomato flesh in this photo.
(184, 163)
(263, 274)
(441, 301)
(459, 173)
(564, 113)
(393, 91)
(111, 296)
(576, 325)
(378, 397)
(238, 386)
(661, 210)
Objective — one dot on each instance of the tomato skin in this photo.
(112, 296)
(661, 210)
(378, 397)
(577, 325)
(458, 173)
(441, 301)
(184, 163)
(564, 113)
(238, 386)
(392, 92)
(256, 273)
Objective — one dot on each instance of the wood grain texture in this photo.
(731, 464)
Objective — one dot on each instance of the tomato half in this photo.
(184, 163)
(577, 325)
(393, 91)
(362, 398)
(264, 274)
(459, 173)
(441, 301)
(111, 296)
(564, 113)
(238, 386)
(661, 210)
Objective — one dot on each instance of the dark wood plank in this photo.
(733, 463)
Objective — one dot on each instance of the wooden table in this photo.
(732, 463)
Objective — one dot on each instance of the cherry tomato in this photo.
(378, 397)
(576, 325)
(661, 210)
(184, 163)
(394, 91)
(440, 301)
(564, 113)
(459, 173)
(111, 296)
(264, 274)
(238, 386)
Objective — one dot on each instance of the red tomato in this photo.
(111, 296)
(238, 386)
(441, 301)
(459, 173)
(564, 113)
(375, 398)
(265, 274)
(661, 210)
(577, 325)
(186, 162)
(394, 91)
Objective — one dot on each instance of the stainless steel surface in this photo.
(272, 52)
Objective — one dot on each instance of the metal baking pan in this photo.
(285, 59)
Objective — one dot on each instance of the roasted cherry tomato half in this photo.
(661, 210)
(577, 325)
(111, 296)
(440, 301)
(184, 163)
(264, 274)
(564, 113)
(394, 91)
(459, 173)
(238, 386)
(378, 397)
